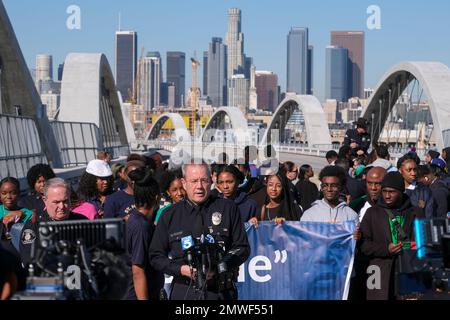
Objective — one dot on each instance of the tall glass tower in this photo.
(297, 60)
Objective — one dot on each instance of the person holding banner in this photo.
(279, 205)
(330, 208)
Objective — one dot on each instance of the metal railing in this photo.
(20, 147)
(79, 143)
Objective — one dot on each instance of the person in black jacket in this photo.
(432, 175)
(56, 199)
(290, 171)
(198, 215)
(358, 139)
(420, 195)
(228, 180)
(308, 191)
(381, 240)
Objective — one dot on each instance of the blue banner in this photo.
(298, 261)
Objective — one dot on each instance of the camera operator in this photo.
(197, 216)
(57, 203)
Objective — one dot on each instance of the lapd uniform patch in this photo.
(28, 236)
(216, 218)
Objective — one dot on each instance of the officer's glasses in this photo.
(204, 182)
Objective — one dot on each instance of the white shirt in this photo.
(363, 211)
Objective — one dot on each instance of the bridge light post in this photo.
(379, 119)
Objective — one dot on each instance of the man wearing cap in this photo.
(386, 230)
(358, 139)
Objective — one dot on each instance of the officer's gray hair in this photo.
(55, 183)
(195, 162)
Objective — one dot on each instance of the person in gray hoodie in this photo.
(330, 208)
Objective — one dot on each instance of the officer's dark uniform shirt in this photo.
(139, 236)
(363, 140)
(29, 236)
(221, 219)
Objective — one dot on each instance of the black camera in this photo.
(78, 260)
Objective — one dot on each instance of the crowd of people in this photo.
(161, 207)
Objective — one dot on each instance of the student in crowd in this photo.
(381, 156)
(251, 184)
(290, 170)
(36, 178)
(172, 190)
(10, 211)
(308, 191)
(279, 205)
(432, 175)
(445, 154)
(352, 188)
(95, 185)
(420, 195)
(431, 155)
(146, 283)
(331, 208)
(120, 203)
(331, 157)
(118, 170)
(386, 229)
(228, 180)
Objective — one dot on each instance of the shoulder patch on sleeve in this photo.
(28, 236)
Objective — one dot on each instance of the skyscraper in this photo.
(205, 73)
(44, 69)
(252, 94)
(353, 41)
(176, 73)
(234, 40)
(126, 62)
(149, 89)
(297, 60)
(238, 88)
(310, 77)
(217, 73)
(336, 78)
(267, 89)
(60, 71)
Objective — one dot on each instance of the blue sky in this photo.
(410, 30)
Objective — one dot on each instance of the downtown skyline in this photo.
(265, 26)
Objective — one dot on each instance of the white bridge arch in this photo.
(434, 77)
(237, 119)
(316, 126)
(181, 132)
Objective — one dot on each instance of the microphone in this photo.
(186, 244)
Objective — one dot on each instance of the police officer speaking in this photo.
(200, 241)
(358, 139)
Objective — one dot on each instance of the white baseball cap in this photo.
(99, 168)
